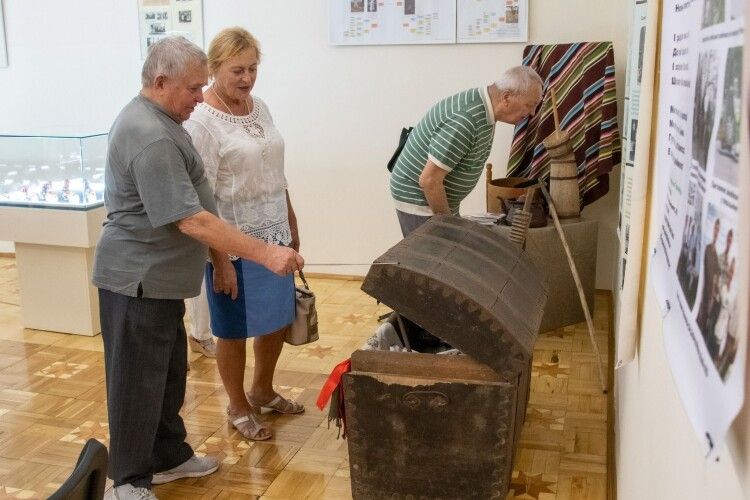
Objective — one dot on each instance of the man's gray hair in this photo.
(172, 57)
(519, 80)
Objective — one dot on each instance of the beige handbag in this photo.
(304, 328)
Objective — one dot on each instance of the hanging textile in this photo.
(583, 76)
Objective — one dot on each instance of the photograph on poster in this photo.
(357, 5)
(152, 40)
(704, 105)
(631, 139)
(727, 150)
(511, 14)
(687, 263)
(186, 16)
(713, 12)
(725, 331)
(641, 48)
(717, 290)
(372, 5)
(157, 28)
(410, 7)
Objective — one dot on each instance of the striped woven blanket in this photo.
(583, 76)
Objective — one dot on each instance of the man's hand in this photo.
(431, 181)
(225, 278)
(283, 260)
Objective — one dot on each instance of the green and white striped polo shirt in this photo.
(455, 134)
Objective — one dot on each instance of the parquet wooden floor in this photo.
(52, 398)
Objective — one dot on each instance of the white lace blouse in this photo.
(244, 161)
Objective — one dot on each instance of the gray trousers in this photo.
(145, 360)
(410, 222)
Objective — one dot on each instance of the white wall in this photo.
(658, 454)
(74, 64)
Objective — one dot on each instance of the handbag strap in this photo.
(302, 277)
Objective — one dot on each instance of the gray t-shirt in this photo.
(153, 178)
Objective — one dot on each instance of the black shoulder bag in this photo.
(401, 142)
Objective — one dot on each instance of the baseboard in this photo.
(329, 276)
(7, 255)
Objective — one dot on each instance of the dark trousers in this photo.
(145, 360)
(409, 222)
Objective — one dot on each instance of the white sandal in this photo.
(249, 426)
(279, 404)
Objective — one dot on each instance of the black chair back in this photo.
(86, 482)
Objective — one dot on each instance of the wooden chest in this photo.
(443, 426)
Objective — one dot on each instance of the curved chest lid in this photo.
(467, 285)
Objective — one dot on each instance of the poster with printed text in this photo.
(163, 18)
(492, 21)
(386, 22)
(695, 257)
(633, 181)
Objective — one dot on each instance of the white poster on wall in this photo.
(492, 21)
(163, 18)
(696, 251)
(3, 48)
(633, 184)
(384, 22)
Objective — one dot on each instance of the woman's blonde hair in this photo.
(228, 43)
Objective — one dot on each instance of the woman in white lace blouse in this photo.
(243, 155)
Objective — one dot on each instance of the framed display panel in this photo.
(391, 22)
(492, 21)
(158, 19)
(62, 172)
(3, 48)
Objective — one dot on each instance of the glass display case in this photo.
(52, 171)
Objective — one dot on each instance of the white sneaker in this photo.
(192, 467)
(129, 492)
(206, 347)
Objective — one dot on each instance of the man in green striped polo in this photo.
(445, 153)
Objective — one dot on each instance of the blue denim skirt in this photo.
(265, 302)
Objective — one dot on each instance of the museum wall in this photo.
(658, 454)
(74, 64)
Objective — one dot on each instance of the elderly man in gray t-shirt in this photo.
(151, 256)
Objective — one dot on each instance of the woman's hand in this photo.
(225, 278)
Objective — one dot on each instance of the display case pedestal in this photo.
(55, 257)
(56, 290)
